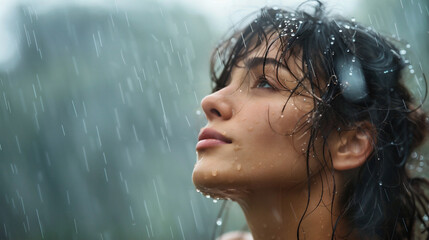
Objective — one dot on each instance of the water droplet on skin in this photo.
(214, 173)
(238, 167)
(237, 147)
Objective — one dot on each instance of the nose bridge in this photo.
(218, 105)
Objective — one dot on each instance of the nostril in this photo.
(214, 111)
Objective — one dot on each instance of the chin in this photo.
(217, 183)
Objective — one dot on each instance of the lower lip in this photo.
(206, 143)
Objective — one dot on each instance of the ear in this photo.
(351, 148)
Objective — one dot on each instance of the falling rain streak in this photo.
(101, 111)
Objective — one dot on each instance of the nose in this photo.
(217, 106)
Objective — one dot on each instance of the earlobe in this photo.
(350, 149)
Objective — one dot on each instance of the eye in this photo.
(264, 83)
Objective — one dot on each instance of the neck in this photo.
(275, 213)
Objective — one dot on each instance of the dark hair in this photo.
(355, 76)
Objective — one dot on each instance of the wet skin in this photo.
(263, 164)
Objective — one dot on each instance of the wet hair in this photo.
(355, 77)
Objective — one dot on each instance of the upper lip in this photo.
(208, 133)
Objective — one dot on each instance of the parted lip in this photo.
(209, 133)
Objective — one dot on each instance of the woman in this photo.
(309, 130)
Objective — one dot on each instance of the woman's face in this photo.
(260, 145)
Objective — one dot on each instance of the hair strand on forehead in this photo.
(353, 75)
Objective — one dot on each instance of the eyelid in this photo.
(264, 78)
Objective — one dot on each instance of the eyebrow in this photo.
(256, 61)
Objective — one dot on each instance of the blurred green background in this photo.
(99, 111)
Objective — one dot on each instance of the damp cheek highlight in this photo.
(266, 149)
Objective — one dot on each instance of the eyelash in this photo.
(263, 80)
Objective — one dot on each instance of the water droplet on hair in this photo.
(414, 155)
(214, 173)
(353, 19)
(425, 218)
(340, 30)
(421, 164)
(347, 26)
(198, 191)
(402, 52)
(412, 71)
(408, 45)
(380, 183)
(219, 221)
(419, 169)
(207, 196)
(214, 200)
(421, 158)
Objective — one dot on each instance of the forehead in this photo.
(274, 55)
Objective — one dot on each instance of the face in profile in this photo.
(254, 137)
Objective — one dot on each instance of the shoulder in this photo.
(236, 235)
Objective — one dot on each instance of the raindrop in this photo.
(219, 221)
